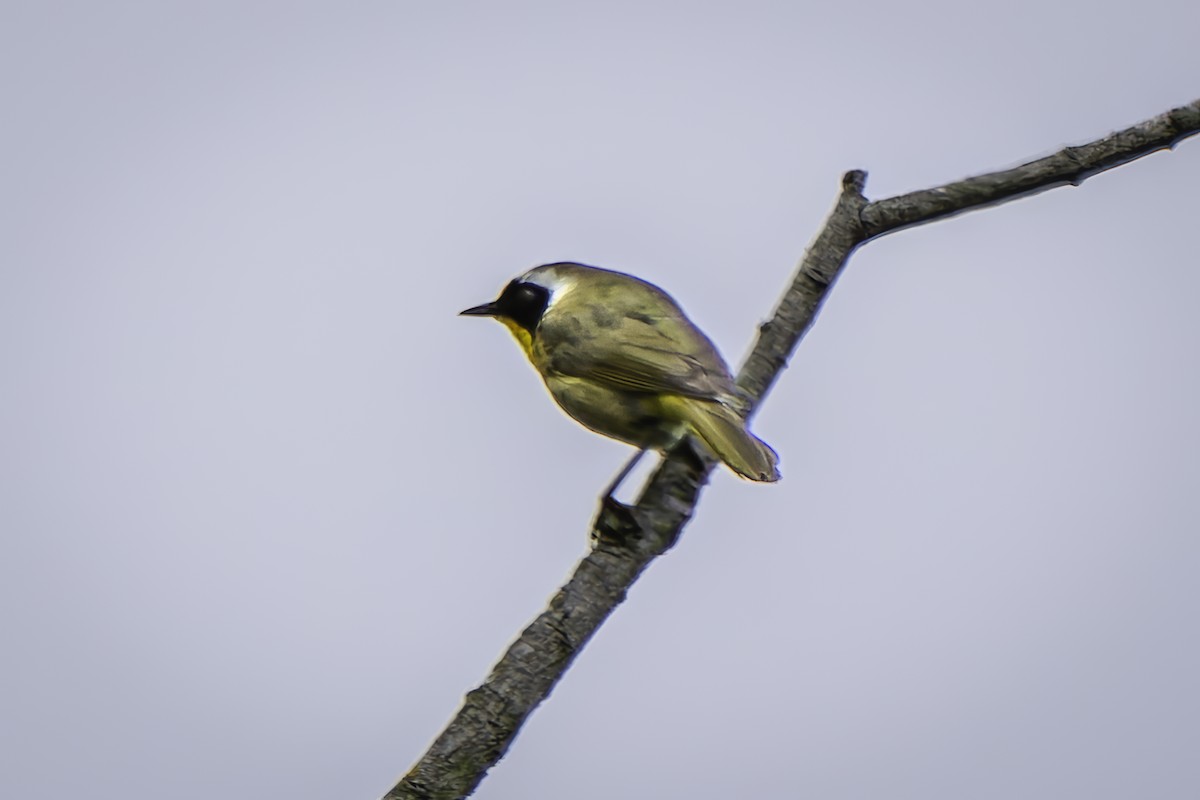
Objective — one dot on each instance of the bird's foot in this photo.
(615, 523)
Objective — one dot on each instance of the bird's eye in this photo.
(524, 295)
(524, 303)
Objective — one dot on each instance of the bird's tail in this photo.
(724, 432)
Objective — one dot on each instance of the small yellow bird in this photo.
(619, 356)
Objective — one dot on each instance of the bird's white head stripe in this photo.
(550, 280)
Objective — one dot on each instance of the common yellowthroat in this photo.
(619, 356)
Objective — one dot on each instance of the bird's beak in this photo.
(485, 310)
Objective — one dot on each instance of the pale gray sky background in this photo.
(269, 508)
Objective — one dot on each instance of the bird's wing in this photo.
(636, 352)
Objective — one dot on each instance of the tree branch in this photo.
(628, 539)
(1069, 166)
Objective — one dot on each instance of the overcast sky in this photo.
(269, 508)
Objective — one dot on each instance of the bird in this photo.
(620, 356)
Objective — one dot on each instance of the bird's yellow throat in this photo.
(524, 337)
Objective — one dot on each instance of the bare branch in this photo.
(628, 539)
(1069, 166)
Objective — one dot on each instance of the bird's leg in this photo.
(616, 522)
(611, 492)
